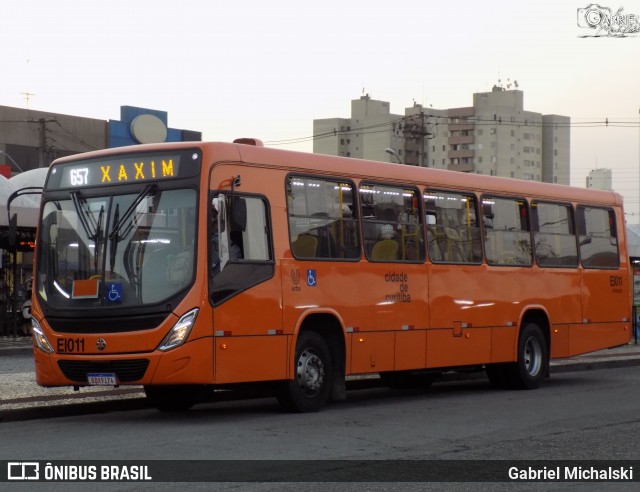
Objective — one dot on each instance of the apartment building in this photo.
(496, 136)
(367, 134)
(600, 179)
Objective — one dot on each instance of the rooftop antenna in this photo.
(27, 96)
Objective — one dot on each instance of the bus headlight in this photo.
(180, 331)
(38, 335)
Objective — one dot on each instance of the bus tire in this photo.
(498, 375)
(173, 398)
(531, 367)
(313, 371)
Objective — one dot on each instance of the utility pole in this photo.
(43, 160)
(423, 134)
(43, 141)
(417, 130)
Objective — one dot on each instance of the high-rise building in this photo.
(495, 136)
(370, 131)
(600, 179)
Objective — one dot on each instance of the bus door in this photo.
(244, 288)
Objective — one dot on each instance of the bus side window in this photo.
(507, 236)
(392, 223)
(322, 222)
(251, 228)
(554, 234)
(597, 235)
(453, 232)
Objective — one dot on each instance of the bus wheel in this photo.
(531, 367)
(311, 387)
(173, 398)
(498, 375)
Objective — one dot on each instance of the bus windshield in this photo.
(116, 250)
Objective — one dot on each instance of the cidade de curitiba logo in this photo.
(597, 21)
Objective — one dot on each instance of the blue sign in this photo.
(114, 293)
(142, 125)
(311, 278)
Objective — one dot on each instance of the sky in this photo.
(268, 69)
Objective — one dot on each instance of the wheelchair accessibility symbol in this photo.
(311, 278)
(114, 293)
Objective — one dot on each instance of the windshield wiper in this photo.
(85, 215)
(92, 229)
(119, 223)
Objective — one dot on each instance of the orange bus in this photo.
(194, 266)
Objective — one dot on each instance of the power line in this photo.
(477, 121)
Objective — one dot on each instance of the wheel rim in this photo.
(532, 356)
(310, 372)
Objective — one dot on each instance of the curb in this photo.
(16, 351)
(589, 365)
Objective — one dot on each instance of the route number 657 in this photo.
(79, 177)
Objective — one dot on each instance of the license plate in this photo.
(102, 379)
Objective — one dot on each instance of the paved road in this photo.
(21, 398)
(586, 415)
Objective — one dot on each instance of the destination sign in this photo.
(119, 170)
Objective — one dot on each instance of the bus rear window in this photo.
(554, 235)
(597, 237)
